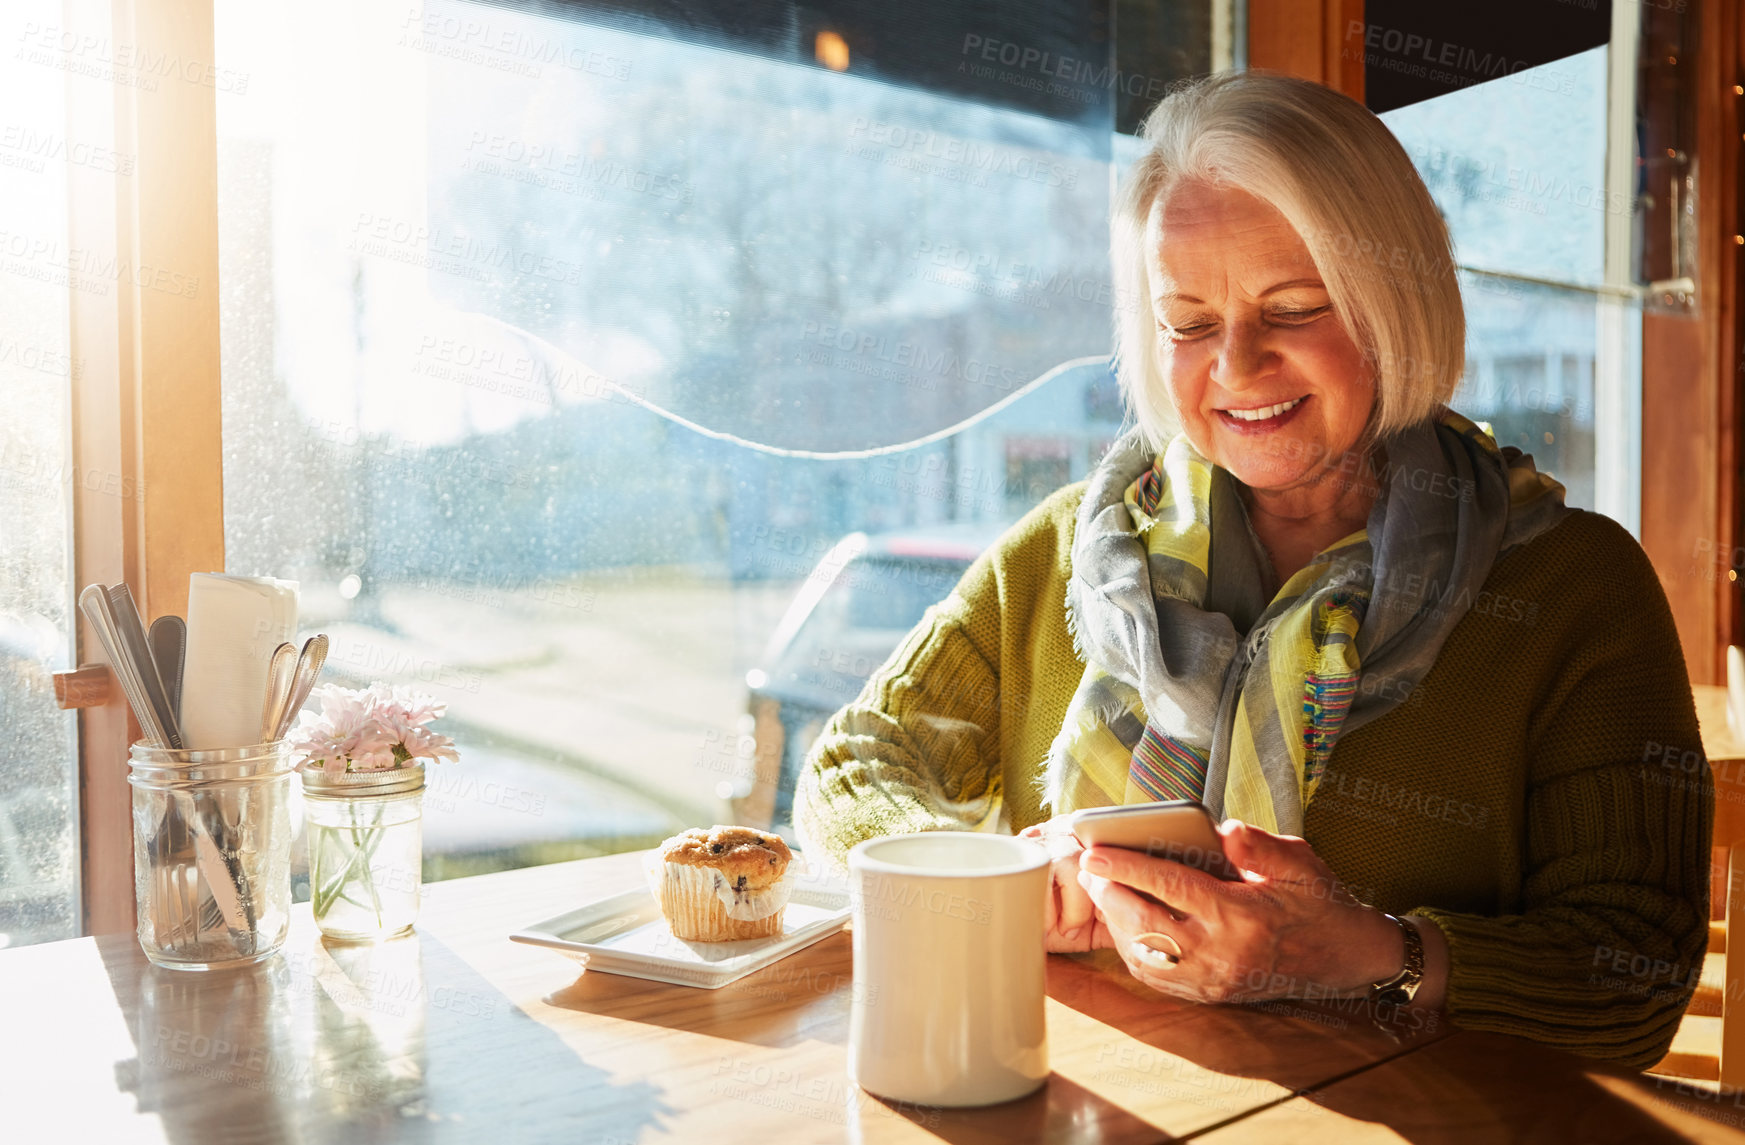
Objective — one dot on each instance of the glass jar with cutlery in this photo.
(212, 823)
(211, 853)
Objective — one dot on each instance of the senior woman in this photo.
(1417, 688)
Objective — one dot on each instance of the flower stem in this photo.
(330, 882)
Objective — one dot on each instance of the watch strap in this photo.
(1401, 988)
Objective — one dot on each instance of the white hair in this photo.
(1341, 179)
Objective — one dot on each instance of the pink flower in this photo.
(400, 710)
(369, 729)
(421, 743)
(339, 740)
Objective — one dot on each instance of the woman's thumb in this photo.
(1253, 849)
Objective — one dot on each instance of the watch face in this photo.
(1394, 997)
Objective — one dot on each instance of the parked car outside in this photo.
(847, 618)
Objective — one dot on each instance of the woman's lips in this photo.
(1265, 425)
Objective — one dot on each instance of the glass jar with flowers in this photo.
(362, 763)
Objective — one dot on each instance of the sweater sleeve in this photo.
(1608, 949)
(917, 750)
(986, 675)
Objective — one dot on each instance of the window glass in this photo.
(1517, 167)
(633, 392)
(559, 357)
(1530, 374)
(39, 852)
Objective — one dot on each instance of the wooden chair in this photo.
(1710, 1043)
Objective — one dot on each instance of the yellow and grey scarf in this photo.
(1198, 687)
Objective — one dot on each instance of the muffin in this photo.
(720, 884)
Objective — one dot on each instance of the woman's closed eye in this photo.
(1288, 316)
(1183, 333)
(1298, 316)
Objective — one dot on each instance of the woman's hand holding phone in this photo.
(1284, 926)
(1074, 926)
(1290, 929)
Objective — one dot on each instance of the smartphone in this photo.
(1181, 829)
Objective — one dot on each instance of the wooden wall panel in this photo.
(1723, 76)
(1679, 468)
(1691, 377)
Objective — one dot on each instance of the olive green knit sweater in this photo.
(1516, 798)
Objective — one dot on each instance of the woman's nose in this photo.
(1244, 357)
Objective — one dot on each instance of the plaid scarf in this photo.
(1198, 687)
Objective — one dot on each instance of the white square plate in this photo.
(626, 934)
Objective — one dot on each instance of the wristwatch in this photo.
(1400, 989)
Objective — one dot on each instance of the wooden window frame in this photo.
(1309, 38)
(145, 405)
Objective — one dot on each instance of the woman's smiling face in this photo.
(1263, 377)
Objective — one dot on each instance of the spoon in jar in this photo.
(309, 665)
(280, 676)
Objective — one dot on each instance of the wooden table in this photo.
(457, 1034)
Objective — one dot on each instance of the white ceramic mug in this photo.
(949, 968)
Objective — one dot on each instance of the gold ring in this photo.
(1160, 942)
